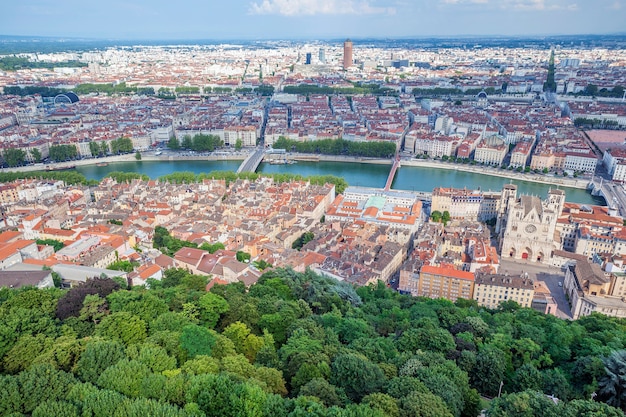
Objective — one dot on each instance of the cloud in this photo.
(465, 1)
(314, 7)
(518, 5)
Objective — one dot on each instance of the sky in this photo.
(308, 19)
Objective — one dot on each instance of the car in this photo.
(560, 283)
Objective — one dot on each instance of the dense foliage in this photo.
(69, 177)
(594, 91)
(56, 244)
(357, 88)
(121, 145)
(31, 90)
(343, 147)
(121, 176)
(595, 123)
(14, 63)
(167, 243)
(14, 157)
(181, 177)
(59, 153)
(197, 143)
(295, 344)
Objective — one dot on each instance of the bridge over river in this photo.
(612, 193)
(252, 162)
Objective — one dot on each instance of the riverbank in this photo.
(59, 166)
(580, 183)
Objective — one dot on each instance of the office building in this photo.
(308, 58)
(347, 54)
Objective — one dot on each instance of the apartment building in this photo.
(445, 282)
(492, 289)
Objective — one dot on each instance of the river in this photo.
(365, 175)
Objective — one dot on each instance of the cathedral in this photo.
(526, 224)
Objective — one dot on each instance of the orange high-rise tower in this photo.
(347, 54)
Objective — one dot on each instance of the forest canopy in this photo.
(296, 344)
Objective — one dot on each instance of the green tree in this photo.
(14, 157)
(43, 383)
(612, 385)
(197, 340)
(173, 143)
(138, 156)
(126, 266)
(25, 351)
(489, 370)
(123, 327)
(187, 143)
(125, 377)
(305, 238)
(429, 338)
(212, 306)
(56, 408)
(56, 244)
(384, 403)
(322, 389)
(523, 404)
(147, 407)
(35, 154)
(527, 377)
(436, 216)
(262, 264)
(102, 403)
(98, 355)
(420, 404)
(356, 375)
(591, 90)
(10, 396)
(59, 153)
(585, 408)
(94, 148)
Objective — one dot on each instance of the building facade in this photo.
(347, 54)
(528, 225)
(492, 289)
(444, 282)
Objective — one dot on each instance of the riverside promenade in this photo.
(580, 183)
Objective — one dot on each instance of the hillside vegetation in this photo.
(295, 344)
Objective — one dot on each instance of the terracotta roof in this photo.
(448, 272)
(9, 235)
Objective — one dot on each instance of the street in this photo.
(550, 276)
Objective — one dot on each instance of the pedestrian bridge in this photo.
(392, 173)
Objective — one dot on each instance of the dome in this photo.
(68, 98)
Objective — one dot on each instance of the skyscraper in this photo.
(308, 58)
(322, 56)
(347, 54)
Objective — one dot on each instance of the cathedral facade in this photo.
(527, 224)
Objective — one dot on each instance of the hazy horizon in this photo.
(310, 19)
